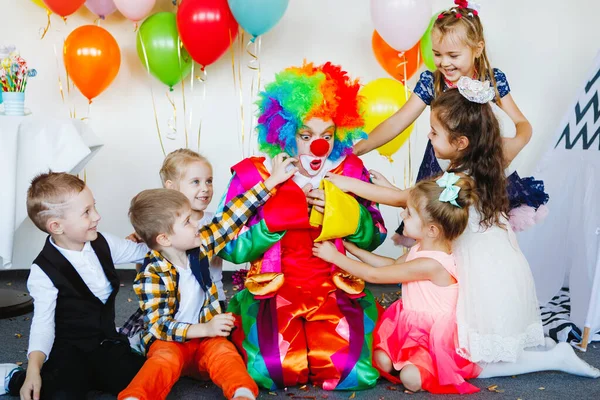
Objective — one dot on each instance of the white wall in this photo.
(544, 46)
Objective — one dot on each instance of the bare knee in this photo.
(383, 361)
(411, 378)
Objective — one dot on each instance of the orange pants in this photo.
(167, 361)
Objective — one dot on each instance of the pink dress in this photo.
(421, 330)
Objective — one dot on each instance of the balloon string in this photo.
(254, 65)
(402, 63)
(235, 87)
(241, 94)
(202, 79)
(60, 86)
(43, 31)
(152, 95)
(172, 122)
(193, 98)
(409, 150)
(391, 161)
(185, 130)
(72, 113)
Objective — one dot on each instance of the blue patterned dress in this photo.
(521, 191)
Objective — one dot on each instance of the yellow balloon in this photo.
(381, 99)
(41, 4)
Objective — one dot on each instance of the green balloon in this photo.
(426, 50)
(160, 50)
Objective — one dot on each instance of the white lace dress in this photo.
(497, 312)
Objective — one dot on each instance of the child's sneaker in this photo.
(6, 373)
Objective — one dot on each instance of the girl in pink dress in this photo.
(416, 339)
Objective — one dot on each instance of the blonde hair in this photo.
(48, 195)
(470, 34)
(451, 220)
(176, 162)
(155, 211)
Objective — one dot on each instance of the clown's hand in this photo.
(325, 251)
(378, 179)
(306, 189)
(316, 198)
(283, 169)
(344, 183)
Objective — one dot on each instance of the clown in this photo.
(301, 319)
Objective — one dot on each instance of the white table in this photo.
(29, 146)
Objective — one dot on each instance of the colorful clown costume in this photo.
(300, 318)
(301, 325)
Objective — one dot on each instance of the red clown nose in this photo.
(319, 147)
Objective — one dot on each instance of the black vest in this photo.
(81, 320)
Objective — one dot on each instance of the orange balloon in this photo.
(92, 59)
(394, 63)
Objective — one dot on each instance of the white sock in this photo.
(244, 392)
(6, 372)
(561, 357)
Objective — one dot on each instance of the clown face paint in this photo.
(315, 143)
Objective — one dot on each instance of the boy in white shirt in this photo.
(183, 327)
(74, 346)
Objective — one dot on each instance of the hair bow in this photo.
(450, 192)
(468, 4)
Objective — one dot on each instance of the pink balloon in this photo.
(101, 8)
(135, 10)
(401, 23)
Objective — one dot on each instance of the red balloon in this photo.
(207, 29)
(392, 62)
(64, 7)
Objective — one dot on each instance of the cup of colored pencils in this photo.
(14, 74)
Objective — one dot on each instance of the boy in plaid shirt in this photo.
(184, 329)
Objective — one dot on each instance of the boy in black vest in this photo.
(74, 346)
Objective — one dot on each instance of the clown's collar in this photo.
(314, 181)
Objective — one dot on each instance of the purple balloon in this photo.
(101, 8)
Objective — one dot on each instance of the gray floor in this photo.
(546, 385)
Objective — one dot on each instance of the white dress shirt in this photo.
(87, 265)
(191, 296)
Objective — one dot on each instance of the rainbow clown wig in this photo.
(301, 93)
